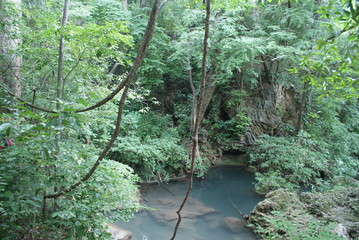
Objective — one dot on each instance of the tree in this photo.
(57, 173)
(334, 67)
(10, 72)
(197, 117)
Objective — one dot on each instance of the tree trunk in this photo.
(10, 68)
(125, 4)
(196, 117)
(137, 63)
(60, 80)
(208, 93)
(303, 99)
(143, 3)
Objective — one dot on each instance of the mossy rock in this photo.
(341, 206)
(281, 200)
(287, 215)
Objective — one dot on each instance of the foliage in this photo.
(150, 146)
(333, 68)
(226, 131)
(282, 227)
(329, 148)
(251, 45)
(283, 162)
(92, 47)
(39, 163)
(334, 125)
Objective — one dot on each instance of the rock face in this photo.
(118, 233)
(270, 106)
(285, 214)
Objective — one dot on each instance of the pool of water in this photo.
(212, 212)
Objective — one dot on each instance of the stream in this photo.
(211, 213)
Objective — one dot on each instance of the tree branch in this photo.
(137, 63)
(73, 68)
(340, 33)
(103, 153)
(197, 117)
(25, 102)
(126, 84)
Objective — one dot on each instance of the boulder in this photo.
(330, 213)
(341, 231)
(118, 233)
(233, 224)
(166, 212)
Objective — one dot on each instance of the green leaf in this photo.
(4, 127)
(82, 101)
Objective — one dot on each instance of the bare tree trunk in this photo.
(60, 80)
(125, 4)
(10, 69)
(208, 93)
(302, 105)
(194, 106)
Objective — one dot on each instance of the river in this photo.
(212, 212)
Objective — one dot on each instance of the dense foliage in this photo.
(282, 77)
(39, 163)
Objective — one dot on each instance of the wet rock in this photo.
(118, 233)
(354, 231)
(257, 192)
(166, 212)
(233, 224)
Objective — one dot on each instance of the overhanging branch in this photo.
(125, 84)
(197, 118)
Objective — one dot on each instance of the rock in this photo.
(166, 212)
(341, 231)
(233, 224)
(259, 193)
(118, 233)
(338, 206)
(354, 231)
(308, 214)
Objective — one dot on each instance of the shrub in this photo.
(45, 158)
(283, 162)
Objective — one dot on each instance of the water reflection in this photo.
(211, 213)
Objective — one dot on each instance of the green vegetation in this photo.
(287, 215)
(39, 163)
(94, 103)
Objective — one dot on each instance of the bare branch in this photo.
(138, 61)
(197, 117)
(25, 102)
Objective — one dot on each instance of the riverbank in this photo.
(327, 215)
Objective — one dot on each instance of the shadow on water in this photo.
(210, 214)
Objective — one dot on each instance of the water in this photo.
(224, 191)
